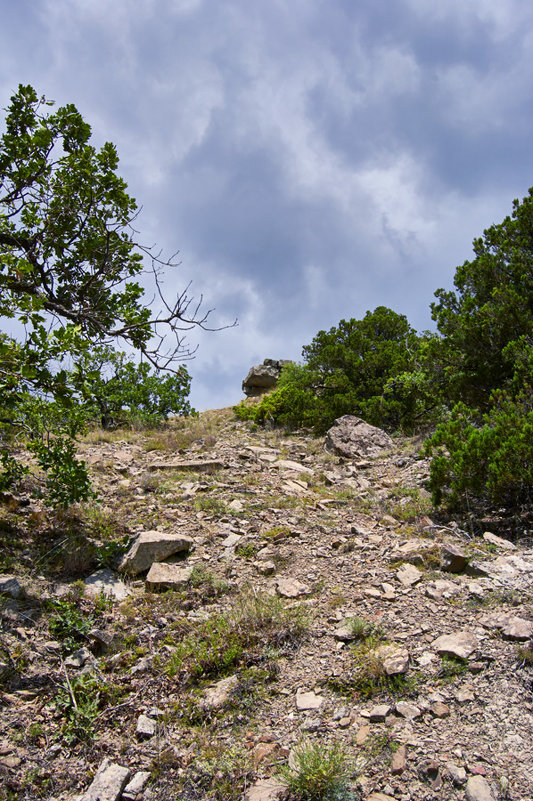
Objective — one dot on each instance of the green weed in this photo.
(321, 772)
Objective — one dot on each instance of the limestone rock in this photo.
(453, 558)
(288, 464)
(291, 588)
(219, 694)
(478, 789)
(106, 582)
(379, 713)
(407, 710)
(456, 774)
(108, 783)
(352, 438)
(194, 465)
(9, 585)
(262, 377)
(379, 797)
(164, 576)
(395, 659)
(461, 644)
(136, 785)
(153, 546)
(408, 575)
(493, 539)
(265, 790)
(308, 700)
(146, 727)
(399, 761)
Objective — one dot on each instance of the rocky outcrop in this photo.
(352, 438)
(263, 377)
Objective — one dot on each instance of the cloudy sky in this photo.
(310, 159)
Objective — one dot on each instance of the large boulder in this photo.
(150, 547)
(352, 438)
(262, 377)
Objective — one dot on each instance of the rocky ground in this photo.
(299, 598)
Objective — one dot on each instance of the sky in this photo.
(309, 159)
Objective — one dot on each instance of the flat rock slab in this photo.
(454, 559)
(9, 585)
(308, 700)
(220, 693)
(408, 575)
(493, 539)
(512, 627)
(291, 588)
(106, 582)
(395, 659)
(265, 790)
(352, 438)
(478, 789)
(461, 644)
(287, 464)
(153, 546)
(108, 783)
(193, 465)
(164, 576)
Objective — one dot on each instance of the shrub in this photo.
(321, 772)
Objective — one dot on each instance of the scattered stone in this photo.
(78, 658)
(263, 751)
(165, 576)
(344, 633)
(308, 700)
(428, 769)
(219, 694)
(235, 505)
(9, 585)
(379, 713)
(516, 628)
(231, 540)
(362, 735)
(287, 464)
(407, 710)
(453, 558)
(352, 438)
(439, 710)
(108, 783)
(267, 568)
(456, 774)
(195, 466)
(441, 588)
(265, 790)
(461, 644)
(498, 541)
(379, 797)
(146, 727)
(136, 785)
(106, 582)
(415, 552)
(478, 789)
(399, 760)
(153, 546)
(395, 659)
(408, 575)
(291, 588)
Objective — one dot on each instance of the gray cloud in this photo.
(310, 160)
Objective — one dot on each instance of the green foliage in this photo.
(79, 701)
(321, 772)
(364, 367)
(69, 624)
(68, 264)
(119, 391)
(491, 313)
(489, 457)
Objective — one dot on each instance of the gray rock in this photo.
(399, 760)
(291, 588)
(164, 576)
(352, 438)
(453, 558)
(146, 727)
(266, 568)
(220, 694)
(105, 582)
(395, 660)
(407, 710)
(78, 658)
(265, 790)
(153, 546)
(308, 700)
(231, 540)
(9, 585)
(262, 377)
(194, 465)
(461, 644)
(379, 713)
(408, 575)
(456, 774)
(478, 789)
(296, 467)
(136, 785)
(108, 783)
(505, 545)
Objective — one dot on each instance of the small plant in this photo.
(79, 701)
(69, 624)
(213, 506)
(525, 655)
(247, 551)
(363, 630)
(451, 667)
(320, 772)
